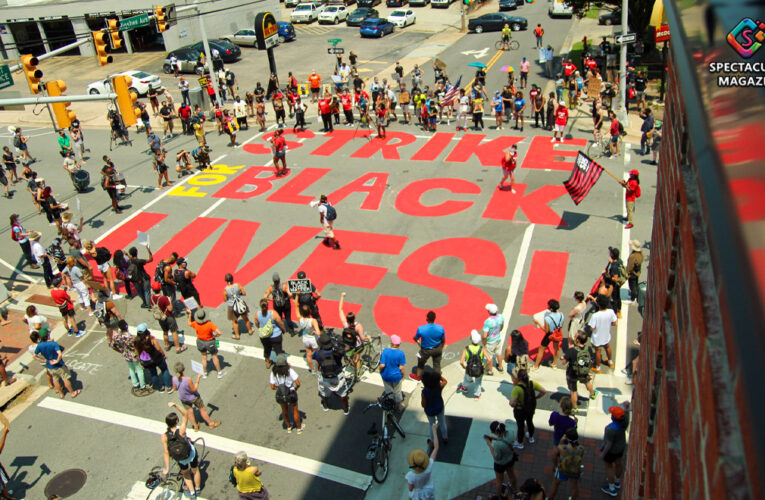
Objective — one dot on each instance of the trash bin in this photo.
(197, 97)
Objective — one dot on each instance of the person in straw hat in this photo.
(69, 229)
(419, 479)
(634, 267)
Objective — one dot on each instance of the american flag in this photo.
(585, 174)
(452, 91)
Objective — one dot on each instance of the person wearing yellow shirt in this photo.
(247, 479)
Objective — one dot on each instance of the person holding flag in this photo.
(632, 193)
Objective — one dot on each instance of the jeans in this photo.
(143, 290)
(441, 425)
(643, 144)
(472, 385)
(160, 371)
(137, 375)
(185, 97)
(524, 420)
(47, 272)
(632, 280)
(539, 116)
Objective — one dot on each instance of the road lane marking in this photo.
(212, 441)
(515, 281)
(18, 271)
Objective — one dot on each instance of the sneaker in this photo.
(221, 373)
(618, 484)
(608, 490)
(500, 369)
(629, 381)
(204, 375)
(552, 140)
(628, 226)
(461, 388)
(517, 445)
(477, 396)
(414, 377)
(347, 412)
(147, 390)
(610, 364)
(624, 371)
(301, 429)
(289, 430)
(70, 332)
(596, 370)
(531, 439)
(79, 334)
(116, 296)
(594, 395)
(561, 140)
(324, 408)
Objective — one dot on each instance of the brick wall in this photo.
(688, 436)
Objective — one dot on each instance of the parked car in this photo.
(341, 2)
(187, 57)
(291, 3)
(395, 3)
(359, 15)
(402, 18)
(228, 51)
(441, 3)
(418, 3)
(369, 3)
(333, 14)
(286, 31)
(496, 21)
(613, 17)
(375, 27)
(559, 8)
(510, 4)
(241, 37)
(139, 85)
(305, 13)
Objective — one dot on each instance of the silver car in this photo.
(242, 37)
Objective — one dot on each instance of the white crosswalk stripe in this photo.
(314, 29)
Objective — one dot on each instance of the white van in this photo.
(559, 8)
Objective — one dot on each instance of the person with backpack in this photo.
(392, 363)
(517, 351)
(431, 339)
(473, 361)
(163, 274)
(247, 480)
(523, 399)
(152, 358)
(600, 325)
(284, 380)
(327, 217)
(162, 310)
(553, 329)
(579, 361)
(102, 256)
(106, 312)
(331, 376)
(177, 445)
(501, 447)
(206, 332)
(76, 279)
(615, 131)
(492, 337)
(184, 280)
(613, 447)
(616, 271)
(310, 299)
(137, 275)
(236, 306)
(280, 296)
(188, 391)
(270, 329)
(353, 331)
(634, 267)
(20, 143)
(631, 194)
(570, 454)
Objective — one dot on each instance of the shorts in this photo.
(382, 122)
(279, 153)
(494, 349)
(60, 372)
(315, 90)
(433, 120)
(546, 339)
(196, 402)
(559, 128)
(3, 180)
(68, 312)
(597, 125)
(508, 467)
(612, 457)
(231, 315)
(309, 341)
(614, 139)
(563, 477)
(395, 389)
(104, 268)
(207, 346)
(334, 384)
(405, 108)
(572, 382)
(168, 324)
(193, 464)
(435, 353)
(328, 230)
(640, 95)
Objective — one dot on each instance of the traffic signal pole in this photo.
(60, 50)
(623, 69)
(23, 101)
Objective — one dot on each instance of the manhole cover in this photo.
(66, 484)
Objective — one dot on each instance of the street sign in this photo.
(134, 22)
(335, 41)
(626, 38)
(335, 50)
(6, 80)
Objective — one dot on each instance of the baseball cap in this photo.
(156, 286)
(475, 337)
(142, 328)
(281, 360)
(492, 308)
(395, 340)
(634, 172)
(617, 412)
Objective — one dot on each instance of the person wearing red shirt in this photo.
(632, 193)
(326, 113)
(568, 68)
(382, 119)
(184, 112)
(65, 306)
(167, 323)
(614, 131)
(347, 102)
(508, 167)
(279, 146)
(561, 118)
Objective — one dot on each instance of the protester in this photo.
(501, 448)
(600, 324)
(152, 357)
(280, 296)
(576, 317)
(21, 236)
(492, 337)
(523, 399)
(634, 267)
(614, 446)
(631, 194)
(206, 344)
(50, 352)
(188, 391)
(419, 479)
(163, 312)
(509, 162)
(579, 361)
(392, 364)
(66, 308)
(473, 361)
(552, 327)
(270, 329)
(233, 294)
(178, 446)
(568, 456)
(562, 420)
(309, 331)
(122, 342)
(433, 402)
(331, 376)
(431, 339)
(284, 380)
(517, 351)
(247, 479)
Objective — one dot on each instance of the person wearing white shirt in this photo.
(183, 86)
(240, 112)
(600, 325)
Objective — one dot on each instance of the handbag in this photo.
(266, 330)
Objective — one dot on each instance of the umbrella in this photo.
(477, 65)
(508, 69)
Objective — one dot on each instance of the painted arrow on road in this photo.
(477, 53)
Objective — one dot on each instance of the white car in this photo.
(139, 85)
(306, 13)
(402, 18)
(333, 14)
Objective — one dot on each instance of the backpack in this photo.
(280, 298)
(100, 312)
(622, 279)
(132, 271)
(328, 365)
(331, 212)
(581, 366)
(17, 141)
(238, 305)
(349, 337)
(285, 395)
(529, 397)
(177, 446)
(159, 273)
(103, 254)
(622, 132)
(306, 298)
(156, 311)
(231, 477)
(556, 335)
(474, 364)
(571, 464)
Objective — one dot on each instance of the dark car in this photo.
(187, 57)
(395, 3)
(496, 21)
(228, 51)
(510, 4)
(359, 15)
(369, 3)
(611, 18)
(286, 31)
(418, 3)
(376, 27)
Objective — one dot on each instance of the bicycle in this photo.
(378, 452)
(509, 45)
(166, 487)
(370, 352)
(602, 146)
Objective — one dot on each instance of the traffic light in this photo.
(159, 13)
(126, 99)
(466, 2)
(33, 74)
(114, 33)
(61, 111)
(99, 42)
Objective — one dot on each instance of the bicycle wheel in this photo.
(398, 428)
(373, 354)
(514, 45)
(380, 462)
(594, 149)
(499, 45)
(350, 376)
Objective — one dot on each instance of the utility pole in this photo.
(624, 116)
(206, 45)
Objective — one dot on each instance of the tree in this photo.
(639, 11)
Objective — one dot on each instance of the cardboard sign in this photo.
(142, 239)
(191, 303)
(197, 367)
(299, 286)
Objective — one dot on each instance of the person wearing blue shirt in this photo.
(552, 325)
(519, 106)
(50, 352)
(431, 338)
(392, 364)
(498, 108)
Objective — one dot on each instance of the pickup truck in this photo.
(306, 13)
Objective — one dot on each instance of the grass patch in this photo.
(575, 54)
(593, 12)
